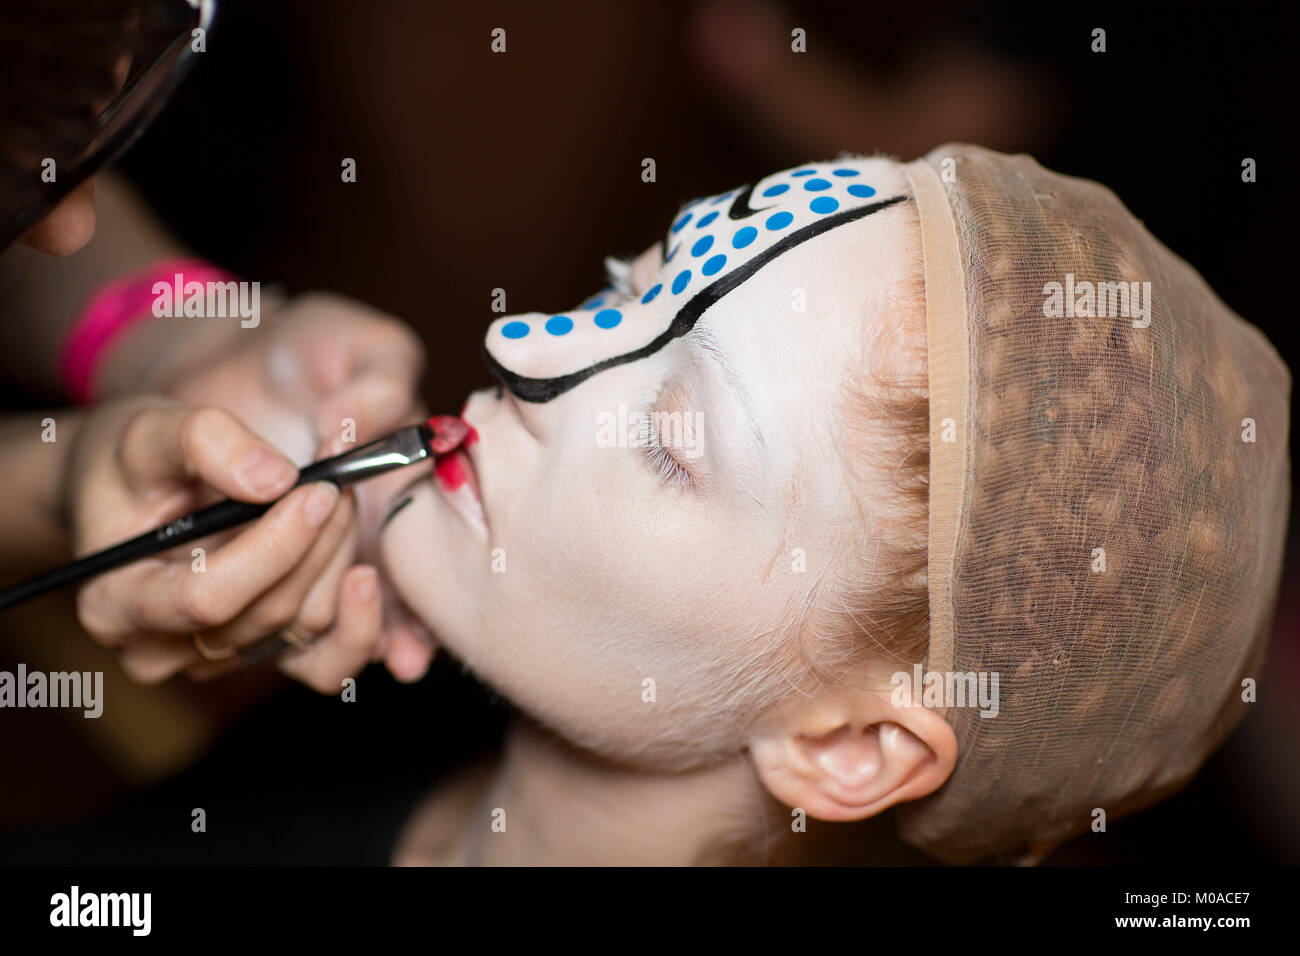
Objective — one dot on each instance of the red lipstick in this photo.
(451, 471)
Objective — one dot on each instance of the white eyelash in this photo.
(665, 467)
(618, 273)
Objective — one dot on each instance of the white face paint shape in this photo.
(714, 245)
(591, 573)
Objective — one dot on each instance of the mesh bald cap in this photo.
(1109, 489)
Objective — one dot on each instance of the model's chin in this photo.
(429, 553)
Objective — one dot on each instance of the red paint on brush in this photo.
(449, 433)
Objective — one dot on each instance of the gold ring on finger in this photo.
(296, 634)
(211, 653)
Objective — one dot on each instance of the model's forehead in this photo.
(755, 216)
(714, 246)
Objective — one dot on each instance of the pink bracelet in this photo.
(115, 307)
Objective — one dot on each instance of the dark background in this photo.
(521, 171)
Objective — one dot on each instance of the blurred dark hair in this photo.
(61, 61)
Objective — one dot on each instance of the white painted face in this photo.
(653, 462)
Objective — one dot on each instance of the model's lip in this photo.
(457, 478)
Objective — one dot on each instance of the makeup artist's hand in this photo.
(317, 370)
(137, 462)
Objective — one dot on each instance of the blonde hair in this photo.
(876, 604)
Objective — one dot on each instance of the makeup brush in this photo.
(441, 435)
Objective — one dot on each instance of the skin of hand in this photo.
(137, 462)
(69, 225)
(312, 363)
(315, 377)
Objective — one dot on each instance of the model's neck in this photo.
(552, 804)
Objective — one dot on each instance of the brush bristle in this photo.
(449, 433)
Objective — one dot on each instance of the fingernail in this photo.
(264, 473)
(320, 503)
(365, 586)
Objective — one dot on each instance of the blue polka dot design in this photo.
(514, 330)
(779, 221)
(608, 318)
(559, 325)
(822, 205)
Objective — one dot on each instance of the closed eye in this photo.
(664, 465)
(667, 468)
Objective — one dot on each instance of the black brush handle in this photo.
(209, 520)
(341, 470)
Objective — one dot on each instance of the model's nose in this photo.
(539, 346)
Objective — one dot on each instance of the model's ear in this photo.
(852, 757)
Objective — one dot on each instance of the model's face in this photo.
(609, 554)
